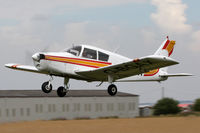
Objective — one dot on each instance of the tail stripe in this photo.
(166, 44)
(171, 51)
(169, 46)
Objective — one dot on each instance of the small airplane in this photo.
(90, 64)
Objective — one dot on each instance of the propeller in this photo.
(47, 48)
(37, 57)
(34, 54)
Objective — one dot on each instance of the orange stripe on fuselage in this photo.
(78, 61)
(152, 72)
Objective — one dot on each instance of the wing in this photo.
(130, 68)
(24, 68)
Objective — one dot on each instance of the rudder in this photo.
(166, 49)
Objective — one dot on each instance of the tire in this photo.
(112, 90)
(45, 87)
(61, 91)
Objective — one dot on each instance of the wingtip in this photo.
(188, 74)
(8, 65)
(11, 65)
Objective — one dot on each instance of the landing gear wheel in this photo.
(46, 87)
(112, 89)
(61, 91)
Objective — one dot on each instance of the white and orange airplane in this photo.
(94, 64)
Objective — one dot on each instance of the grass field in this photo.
(189, 124)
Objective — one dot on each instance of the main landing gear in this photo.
(112, 89)
(61, 91)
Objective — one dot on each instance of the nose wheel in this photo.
(46, 87)
(112, 89)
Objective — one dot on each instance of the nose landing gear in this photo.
(61, 91)
(47, 86)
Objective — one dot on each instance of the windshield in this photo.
(75, 50)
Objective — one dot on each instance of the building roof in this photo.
(71, 93)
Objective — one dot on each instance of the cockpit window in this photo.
(75, 50)
(103, 56)
(89, 53)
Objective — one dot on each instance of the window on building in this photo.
(131, 106)
(89, 53)
(103, 56)
(41, 108)
(21, 111)
(7, 112)
(98, 107)
(13, 112)
(87, 107)
(121, 106)
(110, 107)
(28, 112)
(65, 107)
(54, 107)
(38, 108)
(76, 106)
(49, 108)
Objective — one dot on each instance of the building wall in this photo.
(25, 109)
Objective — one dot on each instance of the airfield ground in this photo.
(188, 124)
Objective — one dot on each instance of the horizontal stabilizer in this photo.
(176, 75)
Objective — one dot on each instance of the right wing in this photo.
(130, 68)
(24, 68)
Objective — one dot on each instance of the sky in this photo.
(134, 28)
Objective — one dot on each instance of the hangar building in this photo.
(26, 105)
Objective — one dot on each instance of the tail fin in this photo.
(166, 48)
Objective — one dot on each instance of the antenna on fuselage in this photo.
(117, 48)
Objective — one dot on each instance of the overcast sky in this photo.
(136, 27)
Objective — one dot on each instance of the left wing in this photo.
(130, 68)
(24, 68)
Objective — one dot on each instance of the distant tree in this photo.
(166, 106)
(196, 106)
